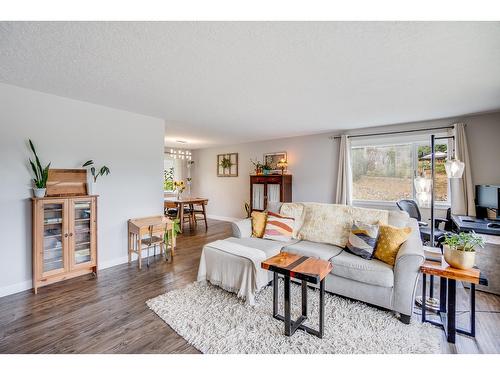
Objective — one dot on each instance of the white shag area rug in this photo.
(216, 321)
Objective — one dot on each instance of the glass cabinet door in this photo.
(81, 232)
(53, 238)
(258, 196)
(273, 193)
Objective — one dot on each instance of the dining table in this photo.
(181, 202)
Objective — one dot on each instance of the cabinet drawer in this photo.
(266, 179)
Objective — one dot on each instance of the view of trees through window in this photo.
(386, 173)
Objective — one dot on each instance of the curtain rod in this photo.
(388, 133)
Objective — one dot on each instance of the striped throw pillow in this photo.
(363, 239)
(278, 228)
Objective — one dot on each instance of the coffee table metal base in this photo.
(292, 325)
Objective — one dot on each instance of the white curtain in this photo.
(462, 191)
(344, 180)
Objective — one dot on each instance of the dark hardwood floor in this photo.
(109, 314)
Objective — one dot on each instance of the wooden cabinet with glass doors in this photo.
(64, 238)
(269, 189)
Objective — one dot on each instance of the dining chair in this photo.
(199, 213)
(153, 240)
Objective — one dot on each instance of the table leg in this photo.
(431, 286)
(443, 284)
(129, 250)
(451, 314)
(275, 294)
(172, 242)
(304, 298)
(321, 308)
(181, 216)
(139, 252)
(473, 310)
(424, 295)
(288, 325)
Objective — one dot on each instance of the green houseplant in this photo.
(170, 236)
(91, 184)
(41, 174)
(459, 249)
(258, 166)
(266, 168)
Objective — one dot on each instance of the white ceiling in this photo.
(227, 82)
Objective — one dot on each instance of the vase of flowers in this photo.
(459, 249)
(179, 187)
(257, 166)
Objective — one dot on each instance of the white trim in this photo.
(391, 205)
(225, 218)
(28, 284)
(16, 288)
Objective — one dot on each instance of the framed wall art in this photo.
(272, 159)
(227, 165)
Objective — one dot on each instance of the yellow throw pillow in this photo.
(259, 220)
(389, 240)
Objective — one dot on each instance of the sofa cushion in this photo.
(295, 210)
(362, 239)
(331, 223)
(258, 223)
(372, 271)
(269, 247)
(278, 228)
(398, 218)
(389, 241)
(313, 249)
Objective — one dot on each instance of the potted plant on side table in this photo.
(91, 184)
(459, 249)
(41, 174)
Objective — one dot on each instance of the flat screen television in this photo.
(487, 198)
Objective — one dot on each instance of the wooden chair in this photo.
(200, 213)
(170, 210)
(152, 241)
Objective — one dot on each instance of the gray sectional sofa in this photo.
(370, 281)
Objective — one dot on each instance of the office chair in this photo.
(411, 207)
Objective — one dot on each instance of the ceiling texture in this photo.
(228, 82)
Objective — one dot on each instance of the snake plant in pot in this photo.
(459, 249)
(41, 174)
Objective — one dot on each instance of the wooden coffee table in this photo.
(447, 299)
(306, 269)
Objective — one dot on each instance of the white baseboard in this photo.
(224, 218)
(16, 288)
(28, 284)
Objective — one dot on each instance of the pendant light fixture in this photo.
(454, 168)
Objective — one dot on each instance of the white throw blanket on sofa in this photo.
(237, 269)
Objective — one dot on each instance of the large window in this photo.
(385, 172)
(174, 167)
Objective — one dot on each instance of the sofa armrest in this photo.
(406, 271)
(242, 228)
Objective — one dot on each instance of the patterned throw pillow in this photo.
(389, 241)
(258, 223)
(362, 239)
(278, 228)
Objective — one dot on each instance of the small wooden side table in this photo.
(306, 269)
(139, 227)
(447, 299)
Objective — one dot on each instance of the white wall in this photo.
(313, 163)
(67, 132)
